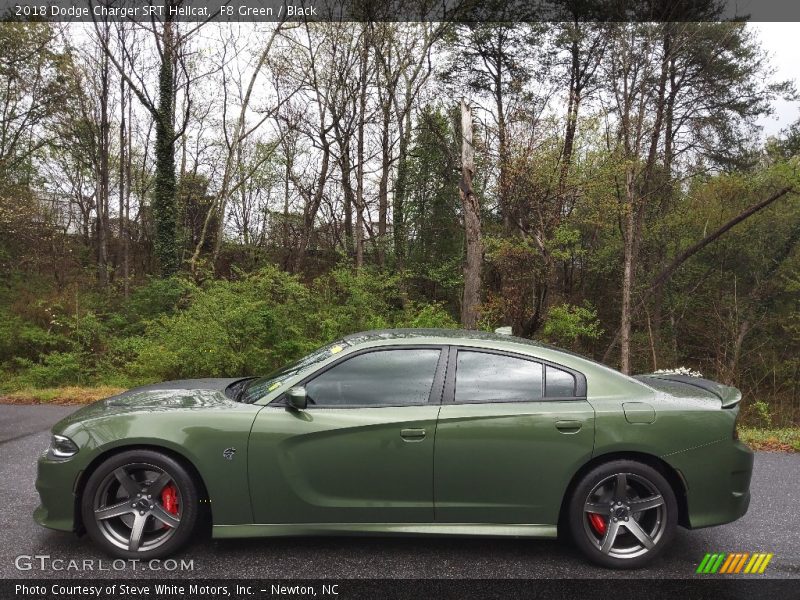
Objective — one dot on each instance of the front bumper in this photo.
(717, 479)
(56, 483)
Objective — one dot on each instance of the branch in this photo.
(146, 102)
(670, 269)
(667, 271)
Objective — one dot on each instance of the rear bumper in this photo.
(717, 479)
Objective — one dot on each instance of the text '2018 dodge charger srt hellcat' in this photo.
(412, 432)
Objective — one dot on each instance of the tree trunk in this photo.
(502, 147)
(399, 197)
(669, 118)
(637, 195)
(313, 203)
(472, 225)
(164, 208)
(728, 377)
(572, 115)
(126, 243)
(349, 195)
(383, 184)
(286, 245)
(348, 213)
(102, 176)
(627, 272)
(362, 105)
(655, 135)
(123, 249)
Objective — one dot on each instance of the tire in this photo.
(140, 504)
(622, 514)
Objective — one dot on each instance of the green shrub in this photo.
(23, 339)
(56, 368)
(426, 315)
(244, 327)
(150, 301)
(173, 328)
(761, 414)
(265, 320)
(355, 301)
(566, 324)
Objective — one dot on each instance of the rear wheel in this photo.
(622, 514)
(140, 504)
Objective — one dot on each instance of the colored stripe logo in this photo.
(735, 562)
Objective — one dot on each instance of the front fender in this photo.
(214, 442)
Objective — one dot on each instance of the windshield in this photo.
(258, 388)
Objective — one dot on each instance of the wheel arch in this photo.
(83, 477)
(672, 475)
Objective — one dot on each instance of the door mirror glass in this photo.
(297, 397)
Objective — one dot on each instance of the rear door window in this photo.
(486, 377)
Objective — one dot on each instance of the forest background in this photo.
(189, 200)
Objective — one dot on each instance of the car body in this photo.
(407, 432)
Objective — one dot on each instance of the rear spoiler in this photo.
(728, 395)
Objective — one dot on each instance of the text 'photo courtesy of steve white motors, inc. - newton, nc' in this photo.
(68, 10)
(158, 590)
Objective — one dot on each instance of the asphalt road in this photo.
(771, 525)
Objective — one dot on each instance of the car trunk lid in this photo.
(687, 385)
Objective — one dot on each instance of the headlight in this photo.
(62, 447)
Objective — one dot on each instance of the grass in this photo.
(59, 395)
(784, 439)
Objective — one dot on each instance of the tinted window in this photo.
(384, 377)
(482, 377)
(560, 384)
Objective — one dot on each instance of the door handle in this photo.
(568, 425)
(415, 435)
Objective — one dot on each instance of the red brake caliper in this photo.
(169, 499)
(598, 523)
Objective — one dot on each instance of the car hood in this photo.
(181, 394)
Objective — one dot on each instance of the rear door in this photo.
(511, 433)
(361, 452)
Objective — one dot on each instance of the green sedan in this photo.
(409, 432)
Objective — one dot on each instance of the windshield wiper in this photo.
(242, 385)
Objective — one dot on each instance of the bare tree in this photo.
(472, 224)
(233, 141)
(169, 43)
(403, 55)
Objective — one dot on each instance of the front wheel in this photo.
(140, 504)
(622, 514)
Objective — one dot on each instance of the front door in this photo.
(511, 433)
(362, 451)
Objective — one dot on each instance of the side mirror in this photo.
(297, 397)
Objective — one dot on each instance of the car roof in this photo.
(444, 336)
(464, 337)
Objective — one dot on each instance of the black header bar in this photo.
(463, 11)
